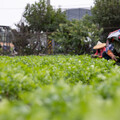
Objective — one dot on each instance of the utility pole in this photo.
(48, 2)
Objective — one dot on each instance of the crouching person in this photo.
(112, 50)
(100, 48)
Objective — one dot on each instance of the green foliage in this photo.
(41, 17)
(58, 88)
(26, 73)
(106, 14)
(76, 36)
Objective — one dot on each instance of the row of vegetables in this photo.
(59, 87)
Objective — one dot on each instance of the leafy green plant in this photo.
(28, 73)
(59, 87)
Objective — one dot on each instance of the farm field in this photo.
(59, 88)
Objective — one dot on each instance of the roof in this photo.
(3, 26)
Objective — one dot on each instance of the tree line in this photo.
(70, 37)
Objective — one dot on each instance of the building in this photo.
(77, 13)
(6, 38)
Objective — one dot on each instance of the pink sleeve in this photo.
(96, 52)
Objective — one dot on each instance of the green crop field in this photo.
(59, 88)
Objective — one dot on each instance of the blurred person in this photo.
(100, 48)
(113, 46)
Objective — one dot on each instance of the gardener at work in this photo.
(113, 46)
(100, 48)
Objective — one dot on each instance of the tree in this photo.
(21, 38)
(42, 17)
(106, 13)
(77, 36)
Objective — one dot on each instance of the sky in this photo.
(11, 11)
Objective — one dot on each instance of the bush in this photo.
(76, 37)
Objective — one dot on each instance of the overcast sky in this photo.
(11, 10)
